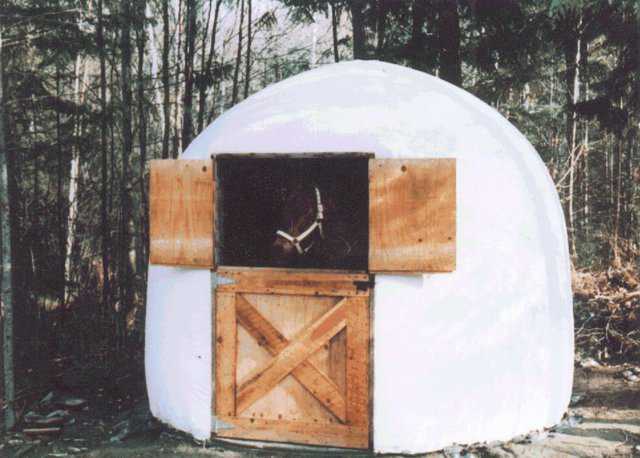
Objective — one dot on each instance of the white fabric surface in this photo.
(178, 347)
(483, 353)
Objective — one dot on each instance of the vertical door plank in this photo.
(358, 361)
(412, 215)
(337, 360)
(225, 361)
(181, 207)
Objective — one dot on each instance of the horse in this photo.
(313, 231)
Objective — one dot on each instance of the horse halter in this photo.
(317, 224)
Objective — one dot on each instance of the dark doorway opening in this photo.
(258, 196)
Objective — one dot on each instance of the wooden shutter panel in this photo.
(181, 198)
(412, 215)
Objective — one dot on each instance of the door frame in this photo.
(352, 314)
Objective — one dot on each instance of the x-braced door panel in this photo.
(292, 365)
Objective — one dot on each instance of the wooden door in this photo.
(292, 357)
(412, 215)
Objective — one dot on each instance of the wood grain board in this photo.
(412, 215)
(225, 361)
(357, 359)
(181, 196)
(296, 432)
(250, 274)
(289, 281)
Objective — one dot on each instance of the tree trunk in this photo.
(586, 177)
(236, 71)
(608, 171)
(417, 41)
(219, 90)
(572, 47)
(335, 22)
(209, 70)
(247, 71)
(142, 135)
(449, 38)
(113, 88)
(357, 23)
(6, 281)
(584, 57)
(155, 66)
(177, 113)
(189, 54)
(37, 224)
(630, 186)
(104, 210)
(203, 84)
(616, 255)
(74, 176)
(60, 197)
(381, 26)
(166, 105)
(313, 56)
(627, 229)
(125, 270)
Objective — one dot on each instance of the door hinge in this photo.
(365, 285)
(219, 425)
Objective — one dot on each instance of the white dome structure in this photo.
(482, 353)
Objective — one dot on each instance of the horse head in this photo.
(302, 223)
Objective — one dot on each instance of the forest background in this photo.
(91, 90)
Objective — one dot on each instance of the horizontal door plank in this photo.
(290, 281)
(296, 432)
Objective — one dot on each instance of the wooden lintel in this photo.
(293, 282)
(291, 274)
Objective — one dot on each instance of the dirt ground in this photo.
(603, 421)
